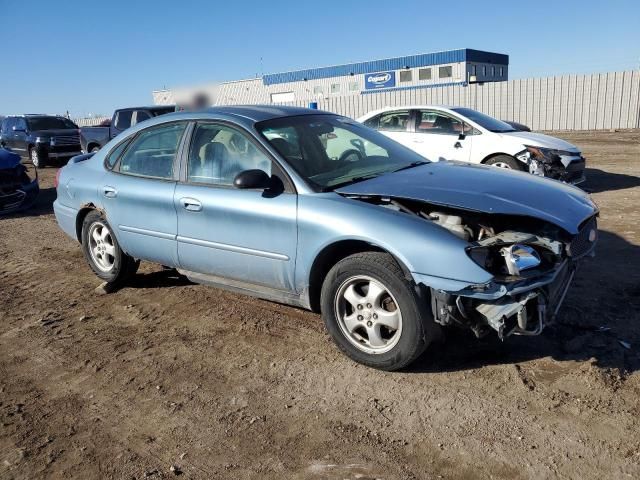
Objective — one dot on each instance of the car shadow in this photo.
(599, 321)
(164, 278)
(601, 181)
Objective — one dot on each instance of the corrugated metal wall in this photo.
(567, 102)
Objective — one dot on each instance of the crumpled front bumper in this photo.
(14, 198)
(527, 307)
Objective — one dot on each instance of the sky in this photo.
(90, 57)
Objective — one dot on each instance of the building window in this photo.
(445, 72)
(318, 89)
(501, 72)
(354, 87)
(484, 70)
(335, 88)
(424, 74)
(283, 97)
(493, 71)
(473, 70)
(405, 75)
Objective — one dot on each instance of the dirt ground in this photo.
(166, 373)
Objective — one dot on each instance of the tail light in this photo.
(56, 182)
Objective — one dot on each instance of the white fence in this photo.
(90, 121)
(568, 102)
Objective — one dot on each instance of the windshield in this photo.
(490, 123)
(331, 151)
(50, 123)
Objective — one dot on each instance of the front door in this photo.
(245, 235)
(438, 136)
(138, 193)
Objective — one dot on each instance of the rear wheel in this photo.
(505, 161)
(94, 149)
(104, 255)
(373, 313)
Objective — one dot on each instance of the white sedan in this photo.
(466, 135)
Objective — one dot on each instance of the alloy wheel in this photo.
(101, 246)
(368, 314)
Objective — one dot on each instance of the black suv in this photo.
(41, 138)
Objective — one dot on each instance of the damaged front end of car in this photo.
(532, 263)
(532, 267)
(568, 167)
(19, 186)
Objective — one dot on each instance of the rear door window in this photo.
(123, 119)
(153, 152)
(141, 116)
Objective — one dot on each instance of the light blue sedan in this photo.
(315, 210)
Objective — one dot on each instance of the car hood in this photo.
(483, 189)
(540, 140)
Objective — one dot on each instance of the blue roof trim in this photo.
(414, 87)
(397, 63)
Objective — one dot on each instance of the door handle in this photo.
(109, 192)
(191, 204)
(415, 140)
(457, 145)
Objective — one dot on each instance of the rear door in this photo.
(441, 136)
(245, 235)
(138, 193)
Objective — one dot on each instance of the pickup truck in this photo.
(93, 138)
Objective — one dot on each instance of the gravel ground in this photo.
(165, 377)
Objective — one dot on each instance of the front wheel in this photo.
(373, 313)
(36, 158)
(506, 161)
(102, 252)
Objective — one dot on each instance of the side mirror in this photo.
(462, 136)
(254, 178)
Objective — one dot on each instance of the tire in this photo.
(35, 158)
(103, 253)
(94, 149)
(364, 335)
(506, 161)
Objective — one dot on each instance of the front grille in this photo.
(67, 140)
(65, 149)
(581, 245)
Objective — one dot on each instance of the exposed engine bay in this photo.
(532, 262)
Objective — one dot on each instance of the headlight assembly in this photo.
(518, 258)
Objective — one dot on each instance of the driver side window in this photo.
(439, 123)
(218, 153)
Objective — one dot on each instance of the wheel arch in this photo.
(82, 214)
(332, 254)
(498, 154)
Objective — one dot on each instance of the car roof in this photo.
(408, 107)
(258, 113)
(146, 107)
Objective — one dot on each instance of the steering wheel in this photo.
(349, 153)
